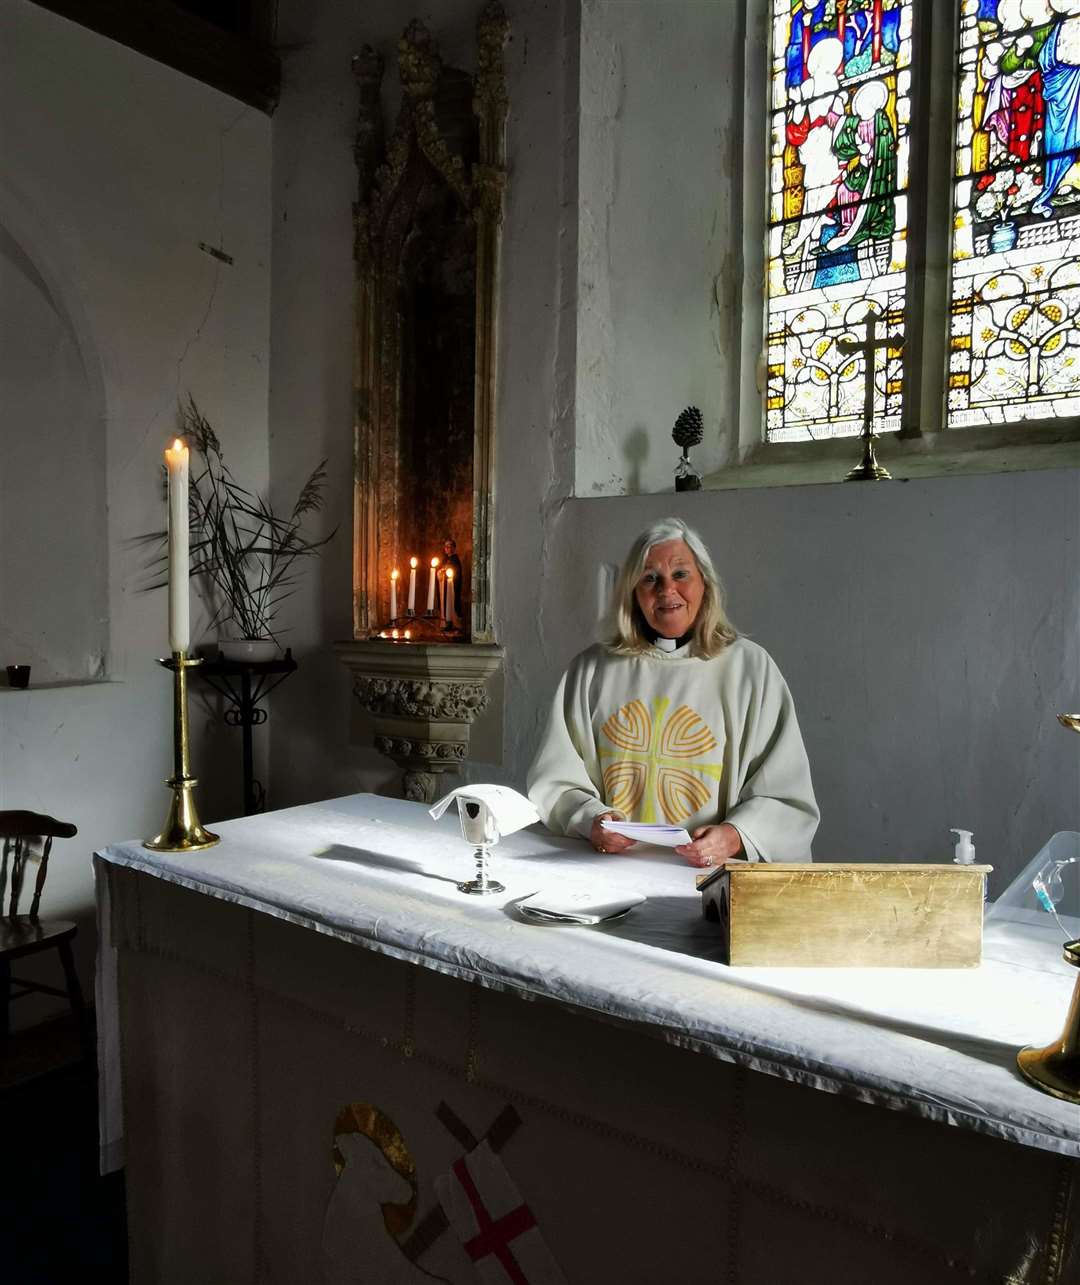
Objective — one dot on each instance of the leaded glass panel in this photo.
(1015, 342)
(841, 85)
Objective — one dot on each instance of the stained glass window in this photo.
(1015, 343)
(840, 107)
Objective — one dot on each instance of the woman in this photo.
(676, 719)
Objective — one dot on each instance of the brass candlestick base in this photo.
(1056, 1068)
(869, 470)
(182, 831)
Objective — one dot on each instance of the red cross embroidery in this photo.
(494, 1237)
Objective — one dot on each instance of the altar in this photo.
(337, 1067)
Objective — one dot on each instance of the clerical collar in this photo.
(667, 644)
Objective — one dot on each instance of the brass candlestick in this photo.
(1056, 1068)
(182, 831)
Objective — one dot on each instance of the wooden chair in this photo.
(25, 834)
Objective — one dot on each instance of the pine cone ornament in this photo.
(689, 428)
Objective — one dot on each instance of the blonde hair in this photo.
(712, 631)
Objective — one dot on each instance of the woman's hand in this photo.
(713, 844)
(604, 840)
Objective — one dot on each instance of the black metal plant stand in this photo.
(244, 683)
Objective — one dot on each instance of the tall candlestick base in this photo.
(182, 831)
(1056, 1068)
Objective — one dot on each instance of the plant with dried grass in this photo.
(247, 554)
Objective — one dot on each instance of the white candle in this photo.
(176, 461)
(451, 614)
(431, 586)
(412, 585)
(393, 593)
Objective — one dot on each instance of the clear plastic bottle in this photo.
(965, 855)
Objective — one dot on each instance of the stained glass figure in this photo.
(1015, 343)
(841, 83)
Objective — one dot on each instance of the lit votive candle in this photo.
(451, 613)
(432, 574)
(412, 585)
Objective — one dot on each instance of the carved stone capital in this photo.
(403, 747)
(420, 697)
(423, 699)
(420, 787)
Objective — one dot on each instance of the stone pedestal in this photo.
(424, 698)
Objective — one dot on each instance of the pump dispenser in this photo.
(965, 849)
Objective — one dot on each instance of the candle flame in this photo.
(395, 574)
(414, 563)
(393, 633)
(177, 445)
(434, 562)
(449, 573)
(382, 634)
(408, 634)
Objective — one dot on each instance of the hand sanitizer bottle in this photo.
(965, 854)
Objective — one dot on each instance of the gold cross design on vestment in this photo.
(658, 759)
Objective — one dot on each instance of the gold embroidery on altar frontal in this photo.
(363, 1118)
(647, 768)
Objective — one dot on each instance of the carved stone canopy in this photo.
(427, 223)
(427, 226)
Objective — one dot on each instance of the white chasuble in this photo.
(665, 736)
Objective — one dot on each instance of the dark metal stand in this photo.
(244, 683)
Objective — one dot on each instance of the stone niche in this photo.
(427, 224)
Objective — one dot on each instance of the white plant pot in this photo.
(253, 650)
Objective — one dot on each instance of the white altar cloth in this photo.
(380, 873)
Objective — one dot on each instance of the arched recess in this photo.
(53, 503)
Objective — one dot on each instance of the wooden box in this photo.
(832, 915)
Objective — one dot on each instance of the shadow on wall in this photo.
(636, 452)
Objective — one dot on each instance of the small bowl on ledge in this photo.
(253, 651)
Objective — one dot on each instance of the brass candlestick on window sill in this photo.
(182, 831)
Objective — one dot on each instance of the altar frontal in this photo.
(849, 915)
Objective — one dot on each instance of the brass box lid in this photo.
(847, 915)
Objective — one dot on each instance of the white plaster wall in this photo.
(658, 253)
(53, 412)
(114, 168)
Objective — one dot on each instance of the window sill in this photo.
(957, 452)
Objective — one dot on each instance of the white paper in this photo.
(666, 836)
